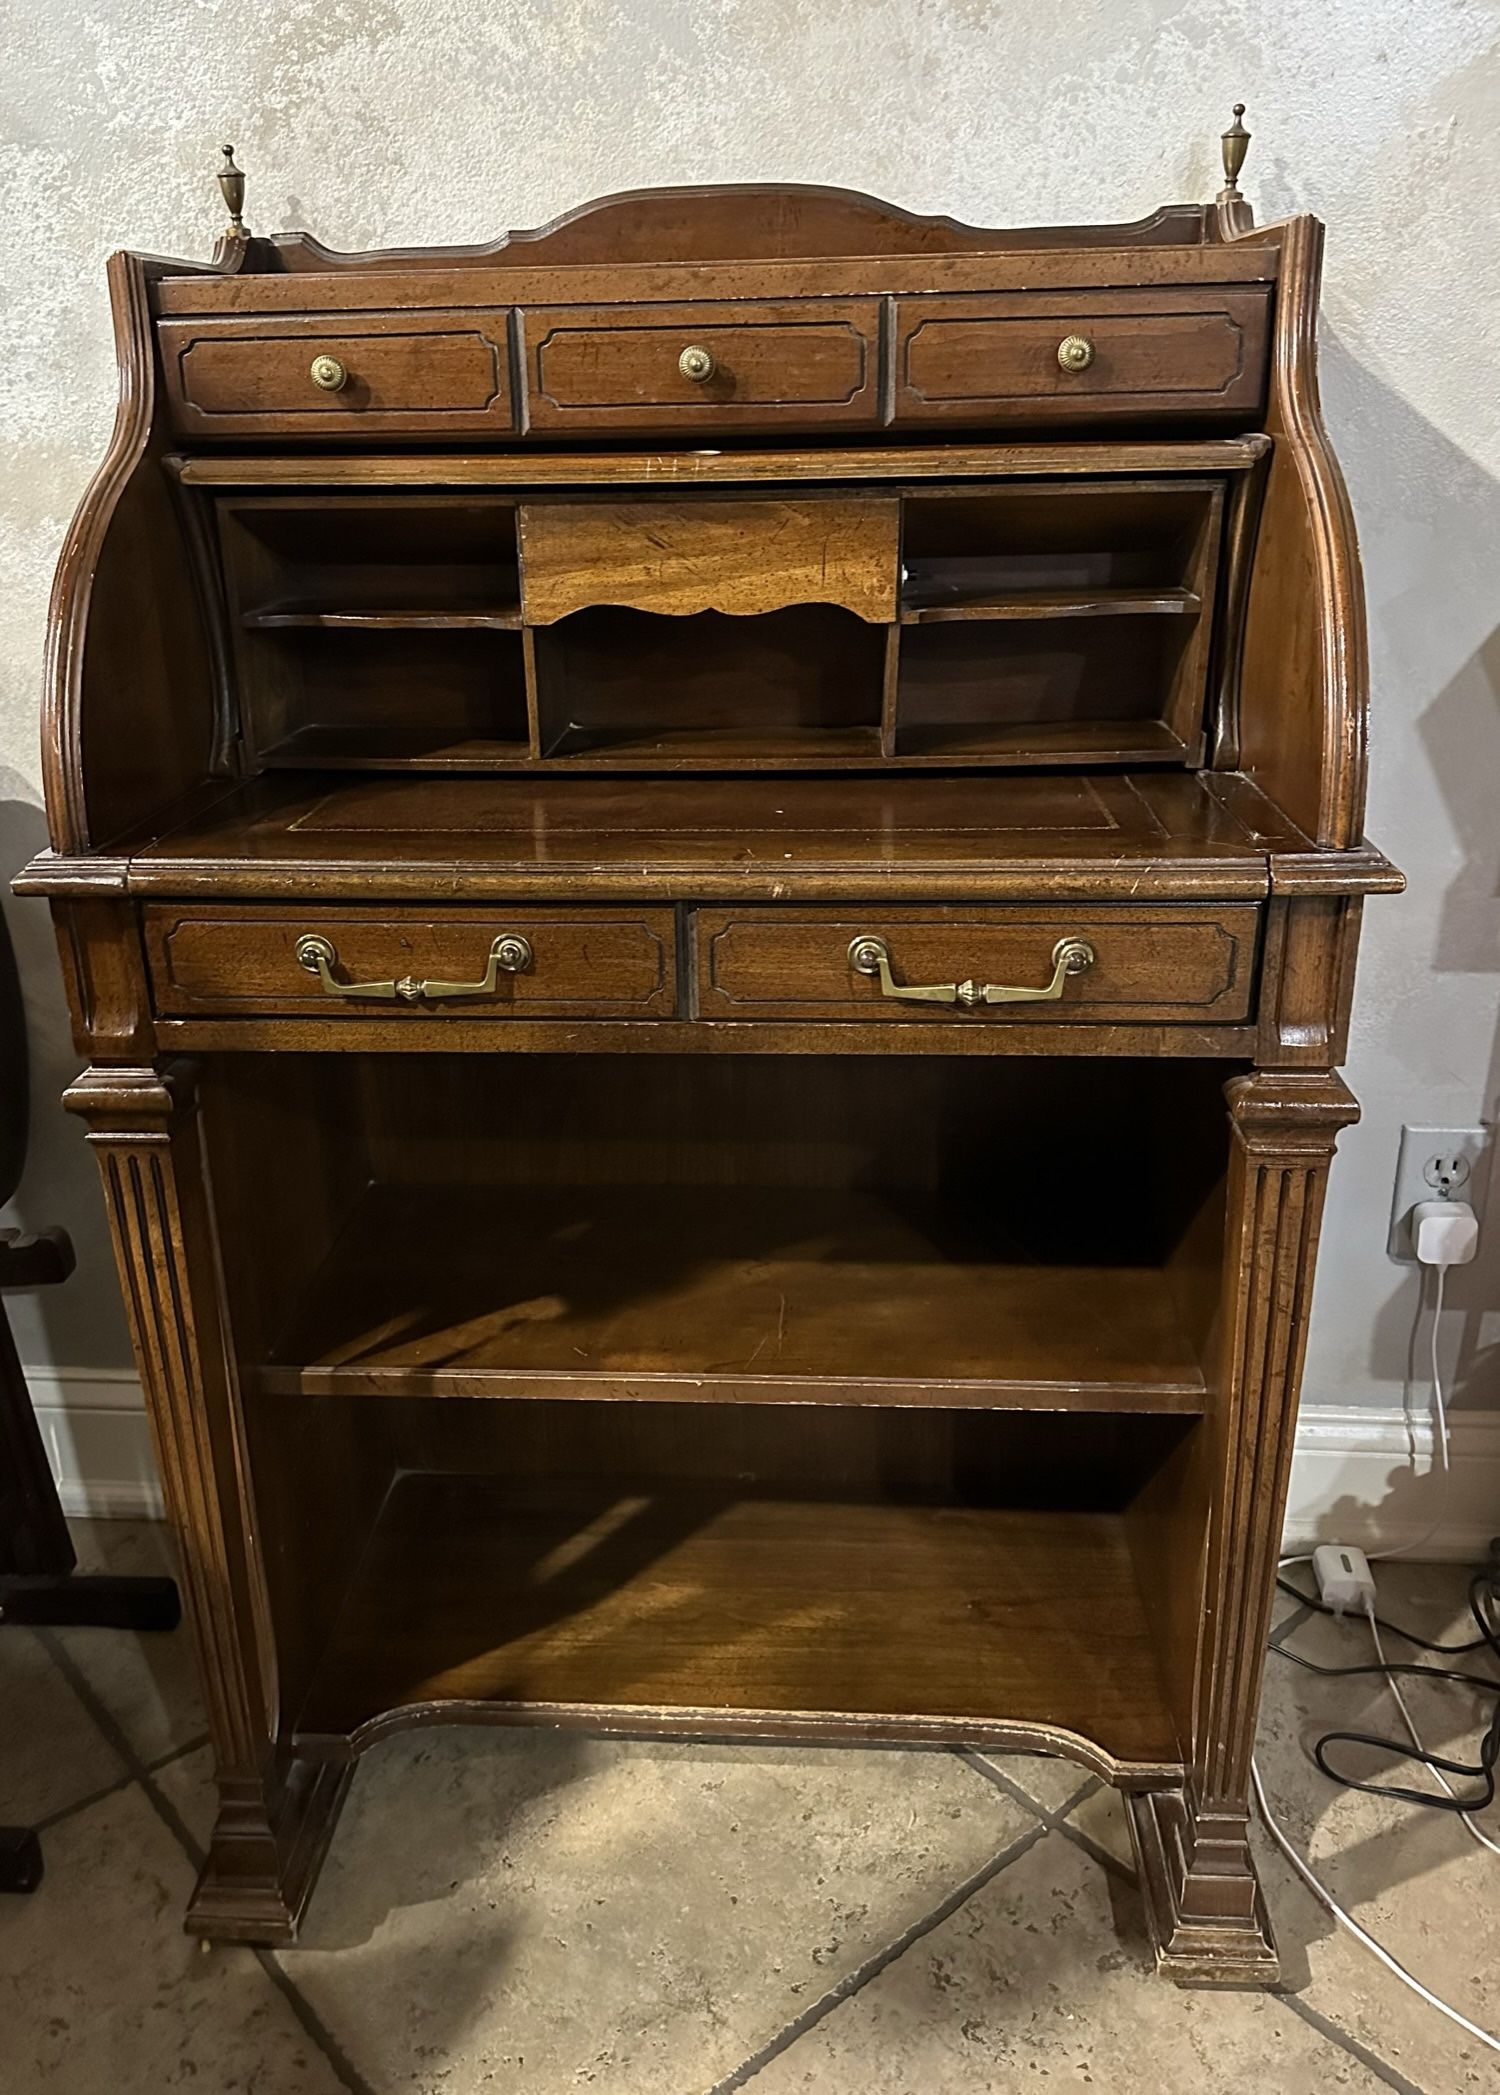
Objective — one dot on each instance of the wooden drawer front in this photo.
(1193, 964)
(583, 963)
(811, 363)
(423, 373)
(709, 555)
(995, 359)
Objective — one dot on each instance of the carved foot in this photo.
(1204, 1907)
(262, 1864)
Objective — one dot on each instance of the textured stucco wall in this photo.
(385, 121)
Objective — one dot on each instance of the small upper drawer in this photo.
(1032, 357)
(461, 963)
(808, 363)
(1142, 965)
(427, 374)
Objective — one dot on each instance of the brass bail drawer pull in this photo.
(872, 956)
(510, 955)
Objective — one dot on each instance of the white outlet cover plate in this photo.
(1421, 1148)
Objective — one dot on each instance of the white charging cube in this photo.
(1344, 1578)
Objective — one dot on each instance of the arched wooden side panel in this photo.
(1305, 677)
(129, 696)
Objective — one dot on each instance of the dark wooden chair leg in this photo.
(38, 1583)
(34, 1539)
(104, 1600)
(20, 1859)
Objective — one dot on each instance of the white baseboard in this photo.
(1361, 1474)
(93, 1423)
(1367, 1476)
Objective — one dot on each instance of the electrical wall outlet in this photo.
(1436, 1164)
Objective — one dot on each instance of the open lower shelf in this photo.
(829, 1295)
(600, 1602)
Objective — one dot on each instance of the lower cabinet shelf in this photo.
(698, 1609)
(834, 1295)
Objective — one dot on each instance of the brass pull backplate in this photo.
(510, 954)
(328, 373)
(696, 363)
(1075, 352)
(872, 956)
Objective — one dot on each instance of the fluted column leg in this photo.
(1207, 1916)
(275, 1815)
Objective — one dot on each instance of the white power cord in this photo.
(1326, 1898)
(1315, 1884)
(1441, 1449)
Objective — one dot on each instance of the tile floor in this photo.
(513, 1911)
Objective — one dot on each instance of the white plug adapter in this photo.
(1344, 1578)
(1444, 1232)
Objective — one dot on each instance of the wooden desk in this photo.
(709, 865)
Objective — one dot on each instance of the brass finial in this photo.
(1235, 143)
(232, 182)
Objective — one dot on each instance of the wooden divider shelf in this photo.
(928, 599)
(765, 1294)
(488, 618)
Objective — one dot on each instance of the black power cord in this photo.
(1485, 1586)
(1394, 1629)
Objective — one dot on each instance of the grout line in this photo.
(95, 1796)
(1288, 1623)
(317, 2030)
(165, 1760)
(1054, 1821)
(873, 1965)
(104, 1719)
(1012, 1789)
(171, 1818)
(999, 1780)
(1344, 2041)
(106, 1722)
(1111, 1865)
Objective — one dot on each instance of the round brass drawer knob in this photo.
(329, 373)
(1075, 352)
(696, 363)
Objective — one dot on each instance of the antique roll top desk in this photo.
(708, 863)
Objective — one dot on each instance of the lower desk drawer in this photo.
(470, 963)
(1138, 966)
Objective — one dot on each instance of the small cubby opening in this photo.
(1058, 622)
(802, 684)
(424, 557)
(1049, 690)
(358, 698)
(367, 632)
(983, 551)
